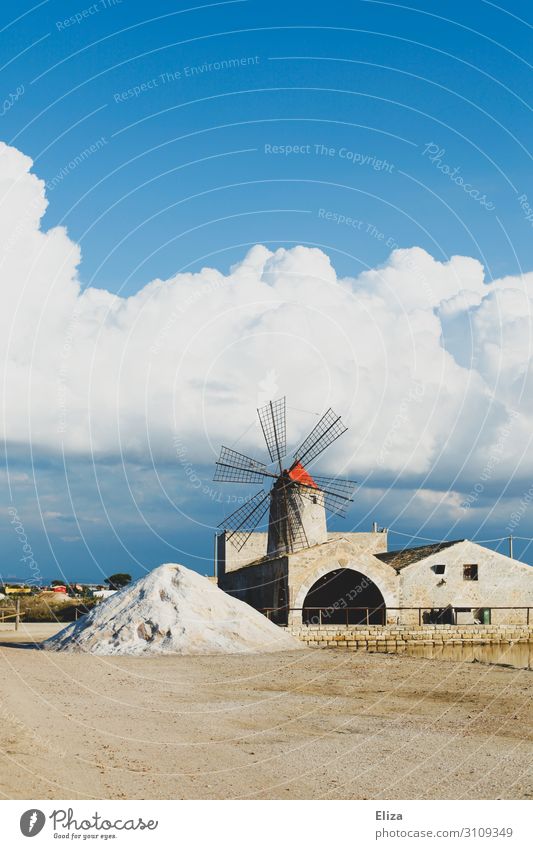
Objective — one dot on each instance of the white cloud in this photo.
(426, 361)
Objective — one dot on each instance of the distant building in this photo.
(103, 593)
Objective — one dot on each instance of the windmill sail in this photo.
(328, 429)
(238, 468)
(286, 528)
(273, 425)
(334, 493)
(296, 536)
(297, 499)
(243, 521)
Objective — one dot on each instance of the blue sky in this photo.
(380, 80)
(200, 132)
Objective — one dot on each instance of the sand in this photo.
(172, 610)
(317, 723)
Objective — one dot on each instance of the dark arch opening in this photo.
(344, 597)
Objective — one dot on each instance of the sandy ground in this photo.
(312, 724)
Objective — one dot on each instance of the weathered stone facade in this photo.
(271, 582)
(501, 582)
(350, 551)
(465, 581)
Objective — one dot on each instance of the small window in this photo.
(439, 568)
(470, 572)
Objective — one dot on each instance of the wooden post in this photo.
(17, 614)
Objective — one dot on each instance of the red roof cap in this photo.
(299, 474)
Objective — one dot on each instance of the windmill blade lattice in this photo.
(328, 429)
(273, 423)
(243, 521)
(338, 493)
(297, 538)
(334, 494)
(293, 524)
(238, 468)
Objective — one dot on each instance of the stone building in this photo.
(351, 578)
(478, 584)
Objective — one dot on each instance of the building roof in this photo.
(400, 559)
(301, 475)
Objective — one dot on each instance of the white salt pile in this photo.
(172, 610)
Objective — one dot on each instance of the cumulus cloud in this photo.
(429, 364)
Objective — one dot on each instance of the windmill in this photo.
(297, 501)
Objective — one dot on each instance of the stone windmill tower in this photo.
(297, 501)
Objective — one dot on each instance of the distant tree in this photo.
(57, 583)
(117, 581)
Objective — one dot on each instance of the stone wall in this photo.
(272, 582)
(374, 542)
(394, 637)
(261, 585)
(307, 566)
(312, 529)
(229, 558)
(501, 581)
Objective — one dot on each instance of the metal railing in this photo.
(330, 615)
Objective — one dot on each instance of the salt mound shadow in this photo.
(172, 610)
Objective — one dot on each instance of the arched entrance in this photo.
(344, 597)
